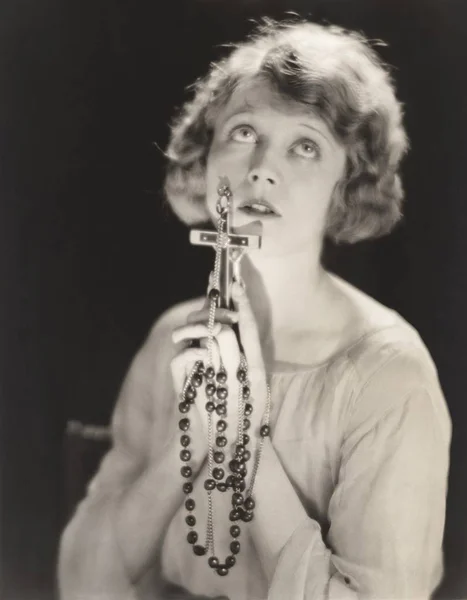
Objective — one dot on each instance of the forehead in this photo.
(256, 95)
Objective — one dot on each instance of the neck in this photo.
(284, 290)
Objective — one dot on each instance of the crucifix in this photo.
(232, 246)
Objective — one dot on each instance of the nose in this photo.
(260, 175)
(263, 171)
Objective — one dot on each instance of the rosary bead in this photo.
(247, 455)
(246, 424)
(190, 504)
(229, 482)
(209, 373)
(199, 550)
(218, 473)
(222, 570)
(185, 440)
(222, 393)
(185, 455)
(230, 561)
(264, 431)
(239, 485)
(221, 487)
(234, 465)
(235, 531)
(210, 406)
(214, 294)
(213, 562)
(190, 520)
(242, 470)
(219, 457)
(184, 407)
(237, 499)
(190, 393)
(248, 410)
(234, 515)
(247, 517)
(192, 537)
(246, 439)
(221, 441)
(221, 425)
(188, 487)
(209, 484)
(246, 392)
(241, 375)
(221, 410)
(186, 472)
(240, 450)
(221, 377)
(235, 547)
(249, 503)
(210, 390)
(196, 380)
(184, 424)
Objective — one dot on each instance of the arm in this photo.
(387, 511)
(116, 531)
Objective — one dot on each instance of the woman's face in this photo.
(277, 154)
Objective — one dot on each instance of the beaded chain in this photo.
(216, 393)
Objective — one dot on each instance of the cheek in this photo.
(225, 161)
(313, 190)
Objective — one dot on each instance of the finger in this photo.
(248, 328)
(193, 331)
(222, 315)
(229, 349)
(183, 363)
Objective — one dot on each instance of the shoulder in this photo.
(393, 373)
(378, 335)
(387, 365)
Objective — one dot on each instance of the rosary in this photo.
(229, 249)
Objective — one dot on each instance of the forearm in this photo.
(116, 533)
(146, 509)
(279, 518)
(279, 511)
(392, 552)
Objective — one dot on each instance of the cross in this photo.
(240, 243)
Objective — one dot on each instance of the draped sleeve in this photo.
(387, 509)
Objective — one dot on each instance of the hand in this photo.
(225, 352)
(181, 367)
(226, 349)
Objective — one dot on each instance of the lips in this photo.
(259, 207)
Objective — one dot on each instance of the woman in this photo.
(351, 486)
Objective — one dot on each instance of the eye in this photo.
(307, 149)
(243, 134)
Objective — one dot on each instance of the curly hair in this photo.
(338, 75)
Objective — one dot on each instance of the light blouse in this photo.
(363, 441)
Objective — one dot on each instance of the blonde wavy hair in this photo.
(338, 75)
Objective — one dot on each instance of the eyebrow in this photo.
(240, 110)
(317, 130)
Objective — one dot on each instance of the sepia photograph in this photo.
(234, 300)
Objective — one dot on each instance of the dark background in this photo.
(89, 256)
